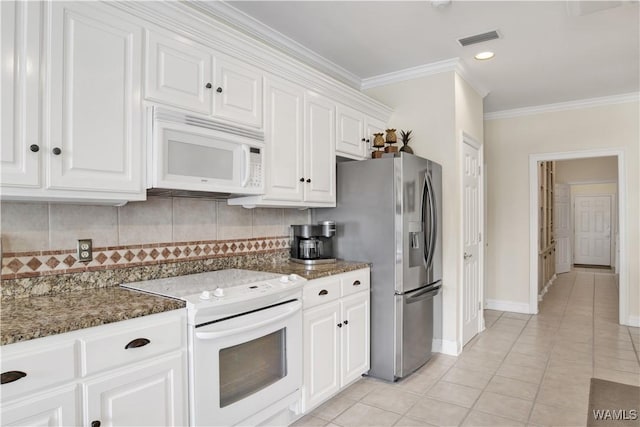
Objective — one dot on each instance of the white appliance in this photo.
(245, 343)
(193, 153)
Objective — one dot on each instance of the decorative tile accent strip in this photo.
(34, 264)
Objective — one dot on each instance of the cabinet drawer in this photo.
(354, 281)
(320, 291)
(43, 366)
(128, 344)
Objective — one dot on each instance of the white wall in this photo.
(508, 144)
(596, 169)
(437, 108)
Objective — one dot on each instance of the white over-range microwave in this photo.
(191, 153)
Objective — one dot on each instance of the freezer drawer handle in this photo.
(323, 292)
(138, 342)
(11, 376)
(357, 283)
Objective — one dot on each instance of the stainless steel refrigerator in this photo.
(389, 213)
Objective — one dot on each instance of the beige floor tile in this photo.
(519, 316)
(477, 418)
(361, 388)
(510, 387)
(417, 383)
(391, 399)
(470, 378)
(309, 421)
(504, 406)
(617, 376)
(545, 415)
(522, 373)
(365, 415)
(618, 364)
(530, 361)
(411, 422)
(488, 367)
(567, 395)
(454, 393)
(438, 413)
(333, 407)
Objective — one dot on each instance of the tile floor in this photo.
(522, 370)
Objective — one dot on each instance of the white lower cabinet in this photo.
(59, 380)
(336, 334)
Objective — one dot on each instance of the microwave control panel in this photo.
(255, 168)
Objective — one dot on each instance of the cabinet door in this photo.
(238, 94)
(177, 73)
(21, 147)
(373, 126)
(147, 394)
(95, 106)
(56, 408)
(284, 141)
(349, 139)
(355, 337)
(319, 149)
(321, 353)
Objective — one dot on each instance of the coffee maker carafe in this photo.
(313, 243)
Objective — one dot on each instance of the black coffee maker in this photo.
(312, 243)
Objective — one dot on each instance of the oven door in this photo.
(247, 363)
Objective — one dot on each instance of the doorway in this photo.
(621, 252)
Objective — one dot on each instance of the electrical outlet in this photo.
(85, 250)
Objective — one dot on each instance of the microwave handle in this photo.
(247, 165)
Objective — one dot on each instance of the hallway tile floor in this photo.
(522, 370)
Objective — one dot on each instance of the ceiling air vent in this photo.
(479, 38)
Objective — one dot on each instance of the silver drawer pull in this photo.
(138, 342)
(323, 292)
(11, 376)
(357, 283)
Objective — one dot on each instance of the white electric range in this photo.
(245, 343)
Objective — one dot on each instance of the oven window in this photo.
(249, 367)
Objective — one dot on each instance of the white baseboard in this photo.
(633, 321)
(511, 306)
(452, 348)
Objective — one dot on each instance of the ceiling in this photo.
(549, 51)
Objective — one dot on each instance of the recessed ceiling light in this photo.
(484, 55)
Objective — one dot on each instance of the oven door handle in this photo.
(282, 312)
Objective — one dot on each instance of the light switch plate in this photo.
(85, 250)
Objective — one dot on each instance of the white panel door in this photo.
(349, 138)
(151, 395)
(321, 353)
(284, 141)
(178, 73)
(471, 234)
(57, 408)
(20, 138)
(238, 92)
(319, 149)
(592, 230)
(355, 337)
(95, 111)
(562, 226)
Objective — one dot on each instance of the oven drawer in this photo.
(128, 344)
(30, 367)
(354, 281)
(320, 291)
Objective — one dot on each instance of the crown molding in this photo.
(561, 106)
(262, 32)
(452, 64)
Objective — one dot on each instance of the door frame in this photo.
(623, 314)
(471, 141)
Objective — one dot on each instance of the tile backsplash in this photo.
(30, 227)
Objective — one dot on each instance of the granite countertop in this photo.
(311, 272)
(40, 316)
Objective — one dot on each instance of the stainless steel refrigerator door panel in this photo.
(417, 329)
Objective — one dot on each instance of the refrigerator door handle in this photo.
(428, 197)
(427, 293)
(425, 195)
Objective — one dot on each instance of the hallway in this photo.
(522, 370)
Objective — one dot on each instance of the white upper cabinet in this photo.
(350, 139)
(95, 113)
(178, 73)
(190, 76)
(319, 149)
(238, 92)
(21, 145)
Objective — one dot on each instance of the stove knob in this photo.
(219, 292)
(284, 279)
(205, 295)
(293, 277)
